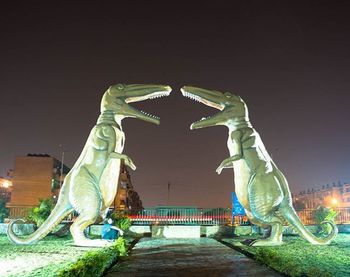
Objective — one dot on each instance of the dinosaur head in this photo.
(117, 98)
(233, 110)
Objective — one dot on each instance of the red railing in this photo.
(219, 216)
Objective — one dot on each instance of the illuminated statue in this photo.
(261, 187)
(90, 187)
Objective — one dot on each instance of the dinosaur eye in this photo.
(120, 86)
(228, 95)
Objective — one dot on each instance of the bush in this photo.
(324, 214)
(96, 262)
(123, 223)
(39, 214)
(121, 220)
(4, 212)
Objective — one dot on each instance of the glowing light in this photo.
(6, 184)
(334, 201)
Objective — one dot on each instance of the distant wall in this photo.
(19, 229)
(166, 231)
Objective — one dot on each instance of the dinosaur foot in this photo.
(266, 242)
(92, 242)
(248, 242)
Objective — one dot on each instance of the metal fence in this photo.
(182, 216)
(18, 211)
(307, 216)
(218, 216)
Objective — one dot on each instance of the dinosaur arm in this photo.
(115, 155)
(227, 163)
(127, 160)
(236, 146)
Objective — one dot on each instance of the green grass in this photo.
(297, 257)
(51, 256)
(95, 263)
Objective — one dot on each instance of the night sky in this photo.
(289, 60)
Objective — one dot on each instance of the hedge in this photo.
(95, 262)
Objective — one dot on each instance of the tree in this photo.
(4, 212)
(324, 214)
(40, 213)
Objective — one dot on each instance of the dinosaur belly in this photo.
(241, 178)
(110, 177)
(109, 182)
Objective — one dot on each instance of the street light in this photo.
(334, 201)
(6, 184)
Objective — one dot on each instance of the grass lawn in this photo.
(297, 257)
(45, 258)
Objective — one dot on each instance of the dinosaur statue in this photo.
(91, 185)
(261, 187)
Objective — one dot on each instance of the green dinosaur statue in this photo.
(91, 185)
(261, 187)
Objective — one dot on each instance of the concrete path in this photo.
(187, 257)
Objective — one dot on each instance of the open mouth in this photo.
(153, 95)
(204, 101)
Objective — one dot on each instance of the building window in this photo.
(123, 185)
(347, 189)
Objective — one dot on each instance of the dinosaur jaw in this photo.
(137, 93)
(209, 98)
(209, 121)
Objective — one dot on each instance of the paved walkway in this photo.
(187, 257)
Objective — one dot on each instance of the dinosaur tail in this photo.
(293, 219)
(60, 211)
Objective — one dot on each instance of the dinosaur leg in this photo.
(77, 231)
(258, 222)
(264, 197)
(103, 215)
(275, 237)
(87, 202)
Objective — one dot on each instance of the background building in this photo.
(127, 199)
(38, 176)
(335, 195)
